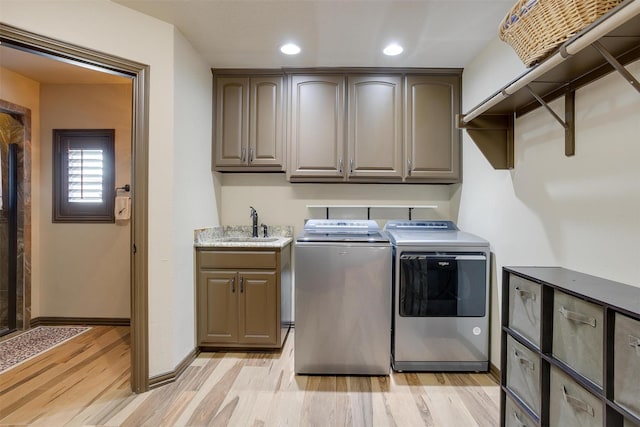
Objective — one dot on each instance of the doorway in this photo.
(12, 247)
(138, 73)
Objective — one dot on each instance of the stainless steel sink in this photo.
(249, 239)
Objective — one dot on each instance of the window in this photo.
(83, 175)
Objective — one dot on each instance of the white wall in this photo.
(194, 187)
(108, 27)
(83, 269)
(279, 202)
(580, 212)
(25, 92)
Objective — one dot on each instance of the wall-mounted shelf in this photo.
(410, 208)
(607, 45)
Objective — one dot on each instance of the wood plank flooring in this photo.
(85, 382)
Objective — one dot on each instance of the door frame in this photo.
(139, 73)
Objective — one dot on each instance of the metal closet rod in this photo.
(570, 48)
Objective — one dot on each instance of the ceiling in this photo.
(51, 71)
(349, 33)
(248, 33)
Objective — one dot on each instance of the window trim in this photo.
(64, 211)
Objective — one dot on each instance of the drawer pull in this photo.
(577, 404)
(635, 342)
(519, 422)
(525, 294)
(529, 364)
(577, 317)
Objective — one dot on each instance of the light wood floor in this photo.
(85, 382)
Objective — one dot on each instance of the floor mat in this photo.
(34, 342)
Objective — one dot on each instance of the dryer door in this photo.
(442, 285)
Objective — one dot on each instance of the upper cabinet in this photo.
(374, 148)
(316, 127)
(432, 142)
(369, 118)
(342, 125)
(248, 123)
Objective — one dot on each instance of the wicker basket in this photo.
(533, 28)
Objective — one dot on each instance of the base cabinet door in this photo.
(258, 308)
(218, 307)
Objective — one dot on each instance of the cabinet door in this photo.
(375, 127)
(258, 317)
(432, 140)
(217, 307)
(232, 121)
(265, 124)
(317, 127)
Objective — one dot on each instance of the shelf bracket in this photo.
(617, 65)
(493, 134)
(568, 123)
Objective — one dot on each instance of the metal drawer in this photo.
(516, 417)
(626, 376)
(571, 405)
(525, 302)
(523, 374)
(578, 335)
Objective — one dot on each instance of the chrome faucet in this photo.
(254, 217)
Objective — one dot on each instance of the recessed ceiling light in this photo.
(392, 50)
(290, 49)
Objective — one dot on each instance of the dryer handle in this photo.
(470, 258)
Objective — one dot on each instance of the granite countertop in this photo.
(239, 236)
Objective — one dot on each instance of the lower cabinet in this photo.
(239, 306)
(570, 350)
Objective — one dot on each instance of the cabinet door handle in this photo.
(523, 360)
(525, 294)
(351, 166)
(233, 285)
(409, 167)
(576, 403)
(635, 343)
(250, 155)
(340, 166)
(577, 317)
(241, 284)
(243, 154)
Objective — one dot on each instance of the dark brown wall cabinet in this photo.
(340, 124)
(391, 127)
(248, 123)
(570, 350)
